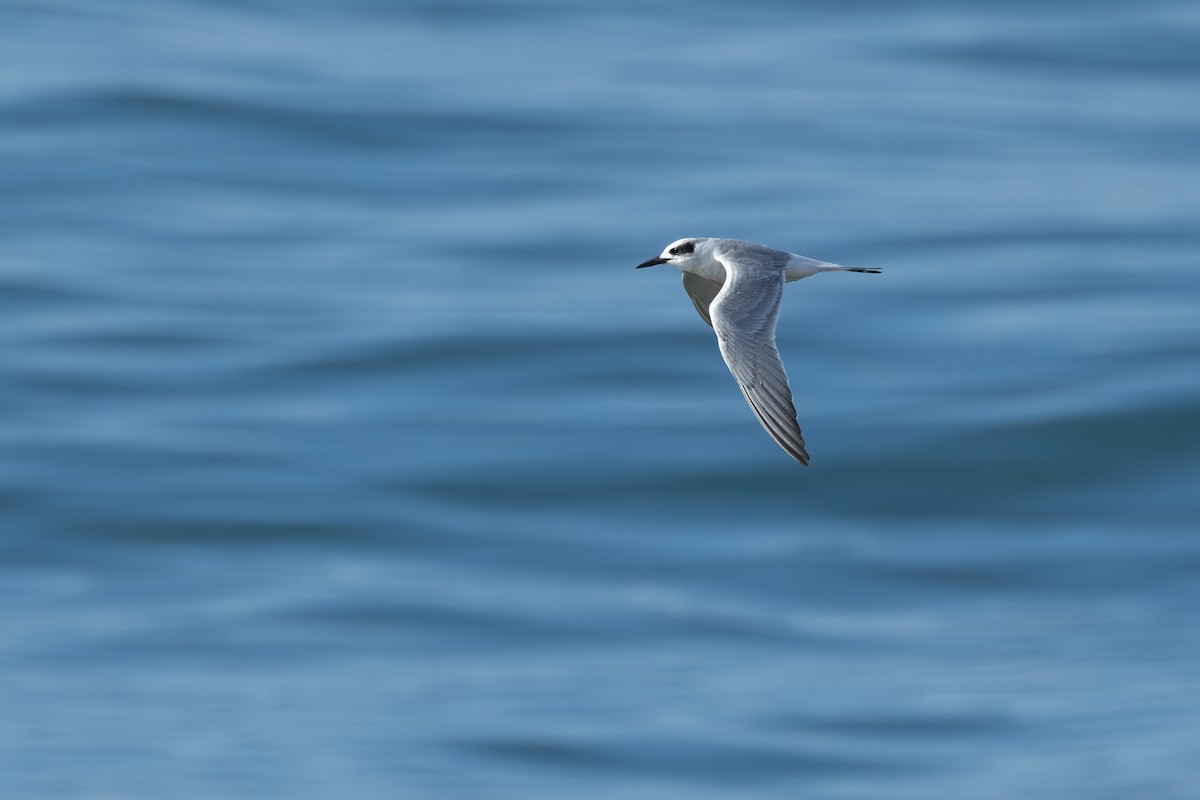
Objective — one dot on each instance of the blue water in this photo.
(344, 454)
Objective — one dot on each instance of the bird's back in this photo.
(750, 255)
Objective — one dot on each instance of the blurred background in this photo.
(344, 454)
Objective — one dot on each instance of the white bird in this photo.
(737, 287)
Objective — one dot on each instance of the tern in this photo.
(737, 288)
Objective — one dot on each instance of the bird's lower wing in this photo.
(744, 317)
(702, 291)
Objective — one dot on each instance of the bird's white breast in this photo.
(706, 268)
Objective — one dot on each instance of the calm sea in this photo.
(343, 454)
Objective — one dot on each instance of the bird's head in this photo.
(682, 254)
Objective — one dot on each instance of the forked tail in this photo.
(837, 268)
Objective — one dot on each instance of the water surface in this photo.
(343, 452)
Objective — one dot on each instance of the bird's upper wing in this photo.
(702, 291)
(743, 316)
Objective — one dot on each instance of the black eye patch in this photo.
(683, 249)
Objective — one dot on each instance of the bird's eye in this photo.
(682, 249)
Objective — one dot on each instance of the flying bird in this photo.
(737, 287)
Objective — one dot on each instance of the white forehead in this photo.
(692, 240)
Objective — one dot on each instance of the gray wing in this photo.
(744, 317)
(702, 291)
